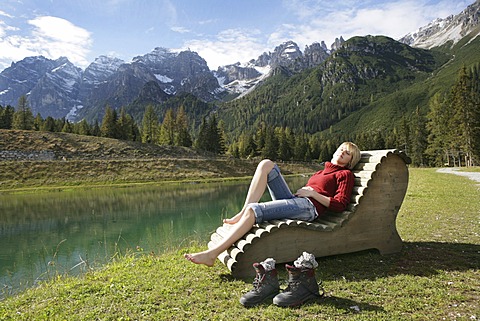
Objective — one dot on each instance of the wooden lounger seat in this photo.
(381, 180)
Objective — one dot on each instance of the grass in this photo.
(27, 176)
(435, 276)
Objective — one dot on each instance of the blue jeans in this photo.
(284, 204)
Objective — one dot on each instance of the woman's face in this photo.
(342, 156)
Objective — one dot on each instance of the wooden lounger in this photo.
(381, 180)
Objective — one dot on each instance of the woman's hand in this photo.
(306, 191)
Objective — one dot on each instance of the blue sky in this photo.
(221, 31)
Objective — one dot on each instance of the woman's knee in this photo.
(266, 165)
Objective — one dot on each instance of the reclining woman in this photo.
(329, 188)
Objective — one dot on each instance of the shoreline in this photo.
(19, 177)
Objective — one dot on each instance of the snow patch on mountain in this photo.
(442, 31)
(72, 114)
(163, 78)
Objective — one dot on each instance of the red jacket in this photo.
(335, 182)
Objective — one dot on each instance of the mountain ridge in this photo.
(57, 88)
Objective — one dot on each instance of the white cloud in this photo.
(51, 37)
(4, 14)
(318, 21)
(229, 46)
(180, 29)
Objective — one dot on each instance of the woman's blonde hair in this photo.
(354, 152)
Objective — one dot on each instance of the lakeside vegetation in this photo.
(435, 276)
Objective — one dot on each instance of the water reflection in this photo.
(47, 233)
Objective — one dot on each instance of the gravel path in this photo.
(452, 170)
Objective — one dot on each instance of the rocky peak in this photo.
(57, 90)
(337, 44)
(315, 54)
(99, 70)
(448, 30)
(156, 56)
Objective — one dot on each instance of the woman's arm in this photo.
(308, 191)
(339, 201)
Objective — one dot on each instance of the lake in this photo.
(44, 234)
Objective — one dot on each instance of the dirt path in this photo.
(452, 170)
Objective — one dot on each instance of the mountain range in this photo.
(59, 89)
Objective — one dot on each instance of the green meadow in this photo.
(435, 276)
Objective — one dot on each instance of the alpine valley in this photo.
(363, 83)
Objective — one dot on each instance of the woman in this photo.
(329, 188)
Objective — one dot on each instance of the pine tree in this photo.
(475, 110)
(82, 128)
(285, 146)
(95, 129)
(67, 128)
(215, 136)
(150, 126)
(438, 130)
(182, 137)
(167, 129)
(270, 150)
(38, 122)
(210, 136)
(109, 123)
(202, 138)
(419, 141)
(23, 117)
(125, 126)
(464, 117)
(6, 117)
(301, 148)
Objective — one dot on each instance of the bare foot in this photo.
(204, 258)
(233, 220)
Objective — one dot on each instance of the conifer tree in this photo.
(109, 123)
(95, 129)
(38, 122)
(125, 126)
(419, 141)
(167, 129)
(462, 124)
(82, 128)
(182, 137)
(202, 138)
(67, 128)
(475, 110)
(6, 117)
(284, 148)
(210, 137)
(23, 117)
(438, 129)
(270, 149)
(301, 148)
(215, 136)
(150, 126)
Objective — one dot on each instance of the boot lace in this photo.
(258, 281)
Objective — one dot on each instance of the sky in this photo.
(220, 31)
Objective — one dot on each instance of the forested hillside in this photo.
(374, 91)
(362, 71)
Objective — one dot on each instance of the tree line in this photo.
(449, 133)
(173, 130)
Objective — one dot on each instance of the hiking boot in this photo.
(302, 286)
(265, 286)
